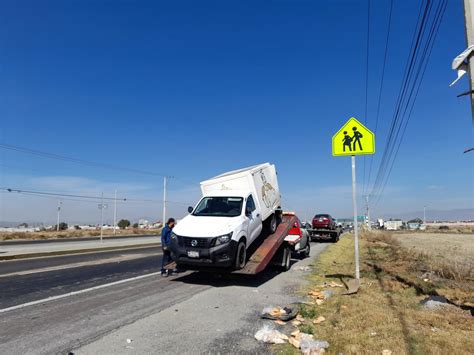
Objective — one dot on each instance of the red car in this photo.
(324, 221)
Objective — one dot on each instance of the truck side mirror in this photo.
(248, 211)
(190, 209)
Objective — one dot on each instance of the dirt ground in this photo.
(447, 246)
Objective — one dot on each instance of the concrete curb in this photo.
(75, 251)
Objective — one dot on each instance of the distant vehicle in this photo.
(324, 221)
(298, 238)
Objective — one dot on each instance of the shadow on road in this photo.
(225, 279)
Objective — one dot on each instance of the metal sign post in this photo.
(354, 139)
(356, 225)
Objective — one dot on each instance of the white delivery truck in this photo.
(235, 208)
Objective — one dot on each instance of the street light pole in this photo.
(102, 216)
(59, 211)
(115, 211)
(424, 214)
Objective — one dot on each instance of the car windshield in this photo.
(219, 207)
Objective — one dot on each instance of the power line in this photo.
(366, 118)
(423, 42)
(55, 156)
(86, 197)
(421, 72)
(377, 115)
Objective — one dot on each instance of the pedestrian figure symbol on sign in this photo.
(347, 140)
(357, 136)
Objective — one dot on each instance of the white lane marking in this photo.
(53, 298)
(110, 260)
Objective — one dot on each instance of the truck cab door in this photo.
(254, 219)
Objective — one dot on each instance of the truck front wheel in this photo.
(241, 256)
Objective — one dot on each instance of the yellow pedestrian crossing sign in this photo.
(353, 139)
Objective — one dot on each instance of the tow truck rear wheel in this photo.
(241, 256)
(286, 259)
(306, 251)
(272, 224)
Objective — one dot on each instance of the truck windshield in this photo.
(219, 207)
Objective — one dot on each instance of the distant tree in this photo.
(123, 223)
(76, 227)
(23, 225)
(135, 225)
(416, 220)
(62, 226)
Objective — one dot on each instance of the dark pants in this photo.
(166, 259)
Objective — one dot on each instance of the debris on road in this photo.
(317, 294)
(280, 322)
(296, 323)
(352, 286)
(310, 346)
(278, 313)
(271, 336)
(304, 268)
(434, 302)
(294, 342)
(307, 343)
(319, 320)
(332, 284)
(328, 294)
(129, 341)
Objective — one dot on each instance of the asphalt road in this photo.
(200, 308)
(23, 281)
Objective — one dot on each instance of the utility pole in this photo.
(102, 206)
(424, 215)
(59, 211)
(369, 225)
(164, 199)
(469, 17)
(115, 212)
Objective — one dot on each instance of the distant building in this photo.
(393, 225)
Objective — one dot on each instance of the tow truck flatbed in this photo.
(269, 248)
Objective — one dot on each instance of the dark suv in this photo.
(324, 221)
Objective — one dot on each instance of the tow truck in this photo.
(325, 234)
(267, 250)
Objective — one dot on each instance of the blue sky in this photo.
(192, 89)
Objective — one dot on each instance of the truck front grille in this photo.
(197, 242)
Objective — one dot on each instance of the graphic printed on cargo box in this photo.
(268, 192)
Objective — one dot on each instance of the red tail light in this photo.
(295, 230)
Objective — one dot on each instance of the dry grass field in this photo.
(447, 247)
(74, 234)
(386, 315)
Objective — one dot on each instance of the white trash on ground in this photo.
(311, 346)
(269, 335)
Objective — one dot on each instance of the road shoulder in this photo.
(221, 319)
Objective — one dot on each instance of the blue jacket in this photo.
(166, 235)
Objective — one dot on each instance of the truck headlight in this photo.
(223, 239)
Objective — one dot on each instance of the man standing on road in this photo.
(165, 245)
